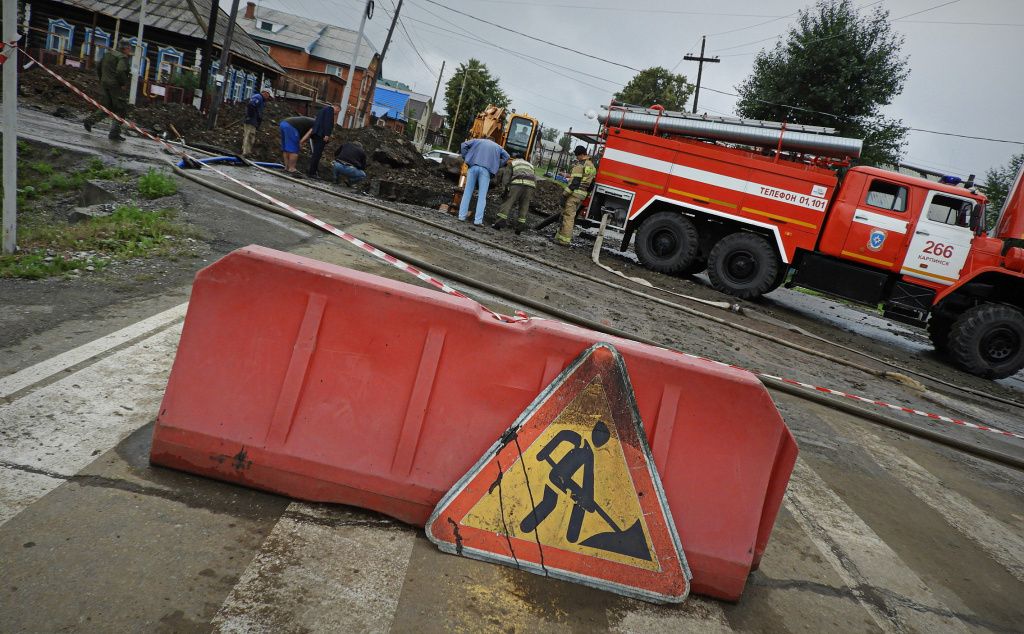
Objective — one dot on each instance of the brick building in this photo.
(316, 58)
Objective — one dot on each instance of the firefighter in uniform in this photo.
(522, 183)
(580, 179)
(115, 73)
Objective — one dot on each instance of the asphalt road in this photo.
(879, 531)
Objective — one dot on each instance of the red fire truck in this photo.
(758, 204)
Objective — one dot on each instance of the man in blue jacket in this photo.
(323, 125)
(253, 119)
(484, 158)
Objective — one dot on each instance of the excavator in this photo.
(517, 133)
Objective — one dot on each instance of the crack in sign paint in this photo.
(458, 537)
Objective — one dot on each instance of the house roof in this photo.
(187, 17)
(397, 86)
(389, 103)
(325, 41)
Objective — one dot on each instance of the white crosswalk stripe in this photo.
(863, 560)
(993, 536)
(322, 569)
(51, 433)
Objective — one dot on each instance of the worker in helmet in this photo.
(522, 183)
(115, 74)
(580, 179)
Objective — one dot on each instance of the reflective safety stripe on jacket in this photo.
(585, 171)
(522, 173)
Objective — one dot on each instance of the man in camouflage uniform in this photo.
(115, 73)
(580, 179)
(522, 183)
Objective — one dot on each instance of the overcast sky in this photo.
(965, 57)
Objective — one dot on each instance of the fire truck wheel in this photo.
(938, 332)
(743, 264)
(667, 242)
(988, 340)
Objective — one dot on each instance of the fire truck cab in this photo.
(757, 204)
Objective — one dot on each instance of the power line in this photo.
(938, 6)
(967, 136)
(536, 39)
(829, 114)
(957, 23)
(753, 26)
(688, 49)
(534, 60)
(774, 37)
(722, 92)
(587, 7)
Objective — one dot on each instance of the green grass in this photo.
(127, 233)
(154, 184)
(39, 178)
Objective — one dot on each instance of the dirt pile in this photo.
(37, 87)
(396, 170)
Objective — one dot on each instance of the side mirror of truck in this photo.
(978, 223)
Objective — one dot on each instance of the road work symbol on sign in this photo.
(570, 491)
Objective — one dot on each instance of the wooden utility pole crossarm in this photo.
(700, 68)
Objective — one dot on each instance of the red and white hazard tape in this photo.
(863, 399)
(5, 47)
(408, 268)
(295, 212)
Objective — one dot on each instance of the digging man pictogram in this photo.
(630, 542)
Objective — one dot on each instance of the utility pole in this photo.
(700, 68)
(465, 73)
(137, 57)
(380, 63)
(387, 40)
(10, 121)
(433, 100)
(211, 33)
(347, 93)
(225, 51)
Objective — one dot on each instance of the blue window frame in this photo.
(239, 85)
(250, 86)
(168, 61)
(145, 61)
(102, 40)
(60, 36)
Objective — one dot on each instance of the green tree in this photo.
(998, 182)
(836, 60)
(657, 86)
(565, 141)
(550, 134)
(481, 90)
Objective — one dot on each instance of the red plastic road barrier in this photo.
(331, 385)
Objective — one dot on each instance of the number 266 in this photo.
(939, 249)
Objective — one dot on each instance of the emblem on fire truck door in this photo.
(876, 239)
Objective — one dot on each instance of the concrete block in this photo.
(96, 191)
(80, 214)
